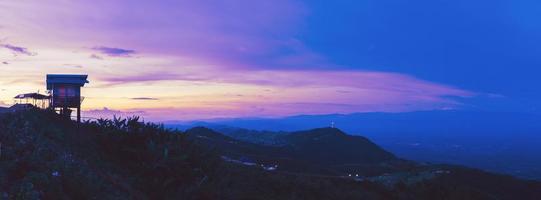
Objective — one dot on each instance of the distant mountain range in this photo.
(495, 141)
(450, 123)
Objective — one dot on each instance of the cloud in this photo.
(72, 66)
(110, 113)
(343, 91)
(242, 33)
(5, 63)
(144, 98)
(377, 82)
(114, 52)
(152, 77)
(231, 93)
(94, 56)
(18, 50)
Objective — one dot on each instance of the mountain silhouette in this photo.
(322, 146)
(331, 145)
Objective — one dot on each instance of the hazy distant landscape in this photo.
(500, 142)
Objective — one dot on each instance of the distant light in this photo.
(349, 174)
(357, 175)
(55, 173)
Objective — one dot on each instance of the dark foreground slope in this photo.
(45, 157)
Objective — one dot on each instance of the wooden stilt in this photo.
(79, 114)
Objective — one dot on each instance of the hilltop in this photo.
(44, 156)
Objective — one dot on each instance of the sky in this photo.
(185, 60)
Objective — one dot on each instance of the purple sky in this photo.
(170, 60)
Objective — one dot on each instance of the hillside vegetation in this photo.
(43, 156)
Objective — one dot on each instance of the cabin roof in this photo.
(74, 79)
(31, 96)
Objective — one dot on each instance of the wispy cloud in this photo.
(145, 98)
(243, 33)
(152, 77)
(18, 50)
(286, 92)
(377, 82)
(113, 52)
(94, 56)
(72, 66)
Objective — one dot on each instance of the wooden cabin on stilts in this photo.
(65, 93)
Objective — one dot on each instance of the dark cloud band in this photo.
(18, 49)
(114, 52)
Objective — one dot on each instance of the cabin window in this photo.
(71, 92)
(60, 91)
(63, 91)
